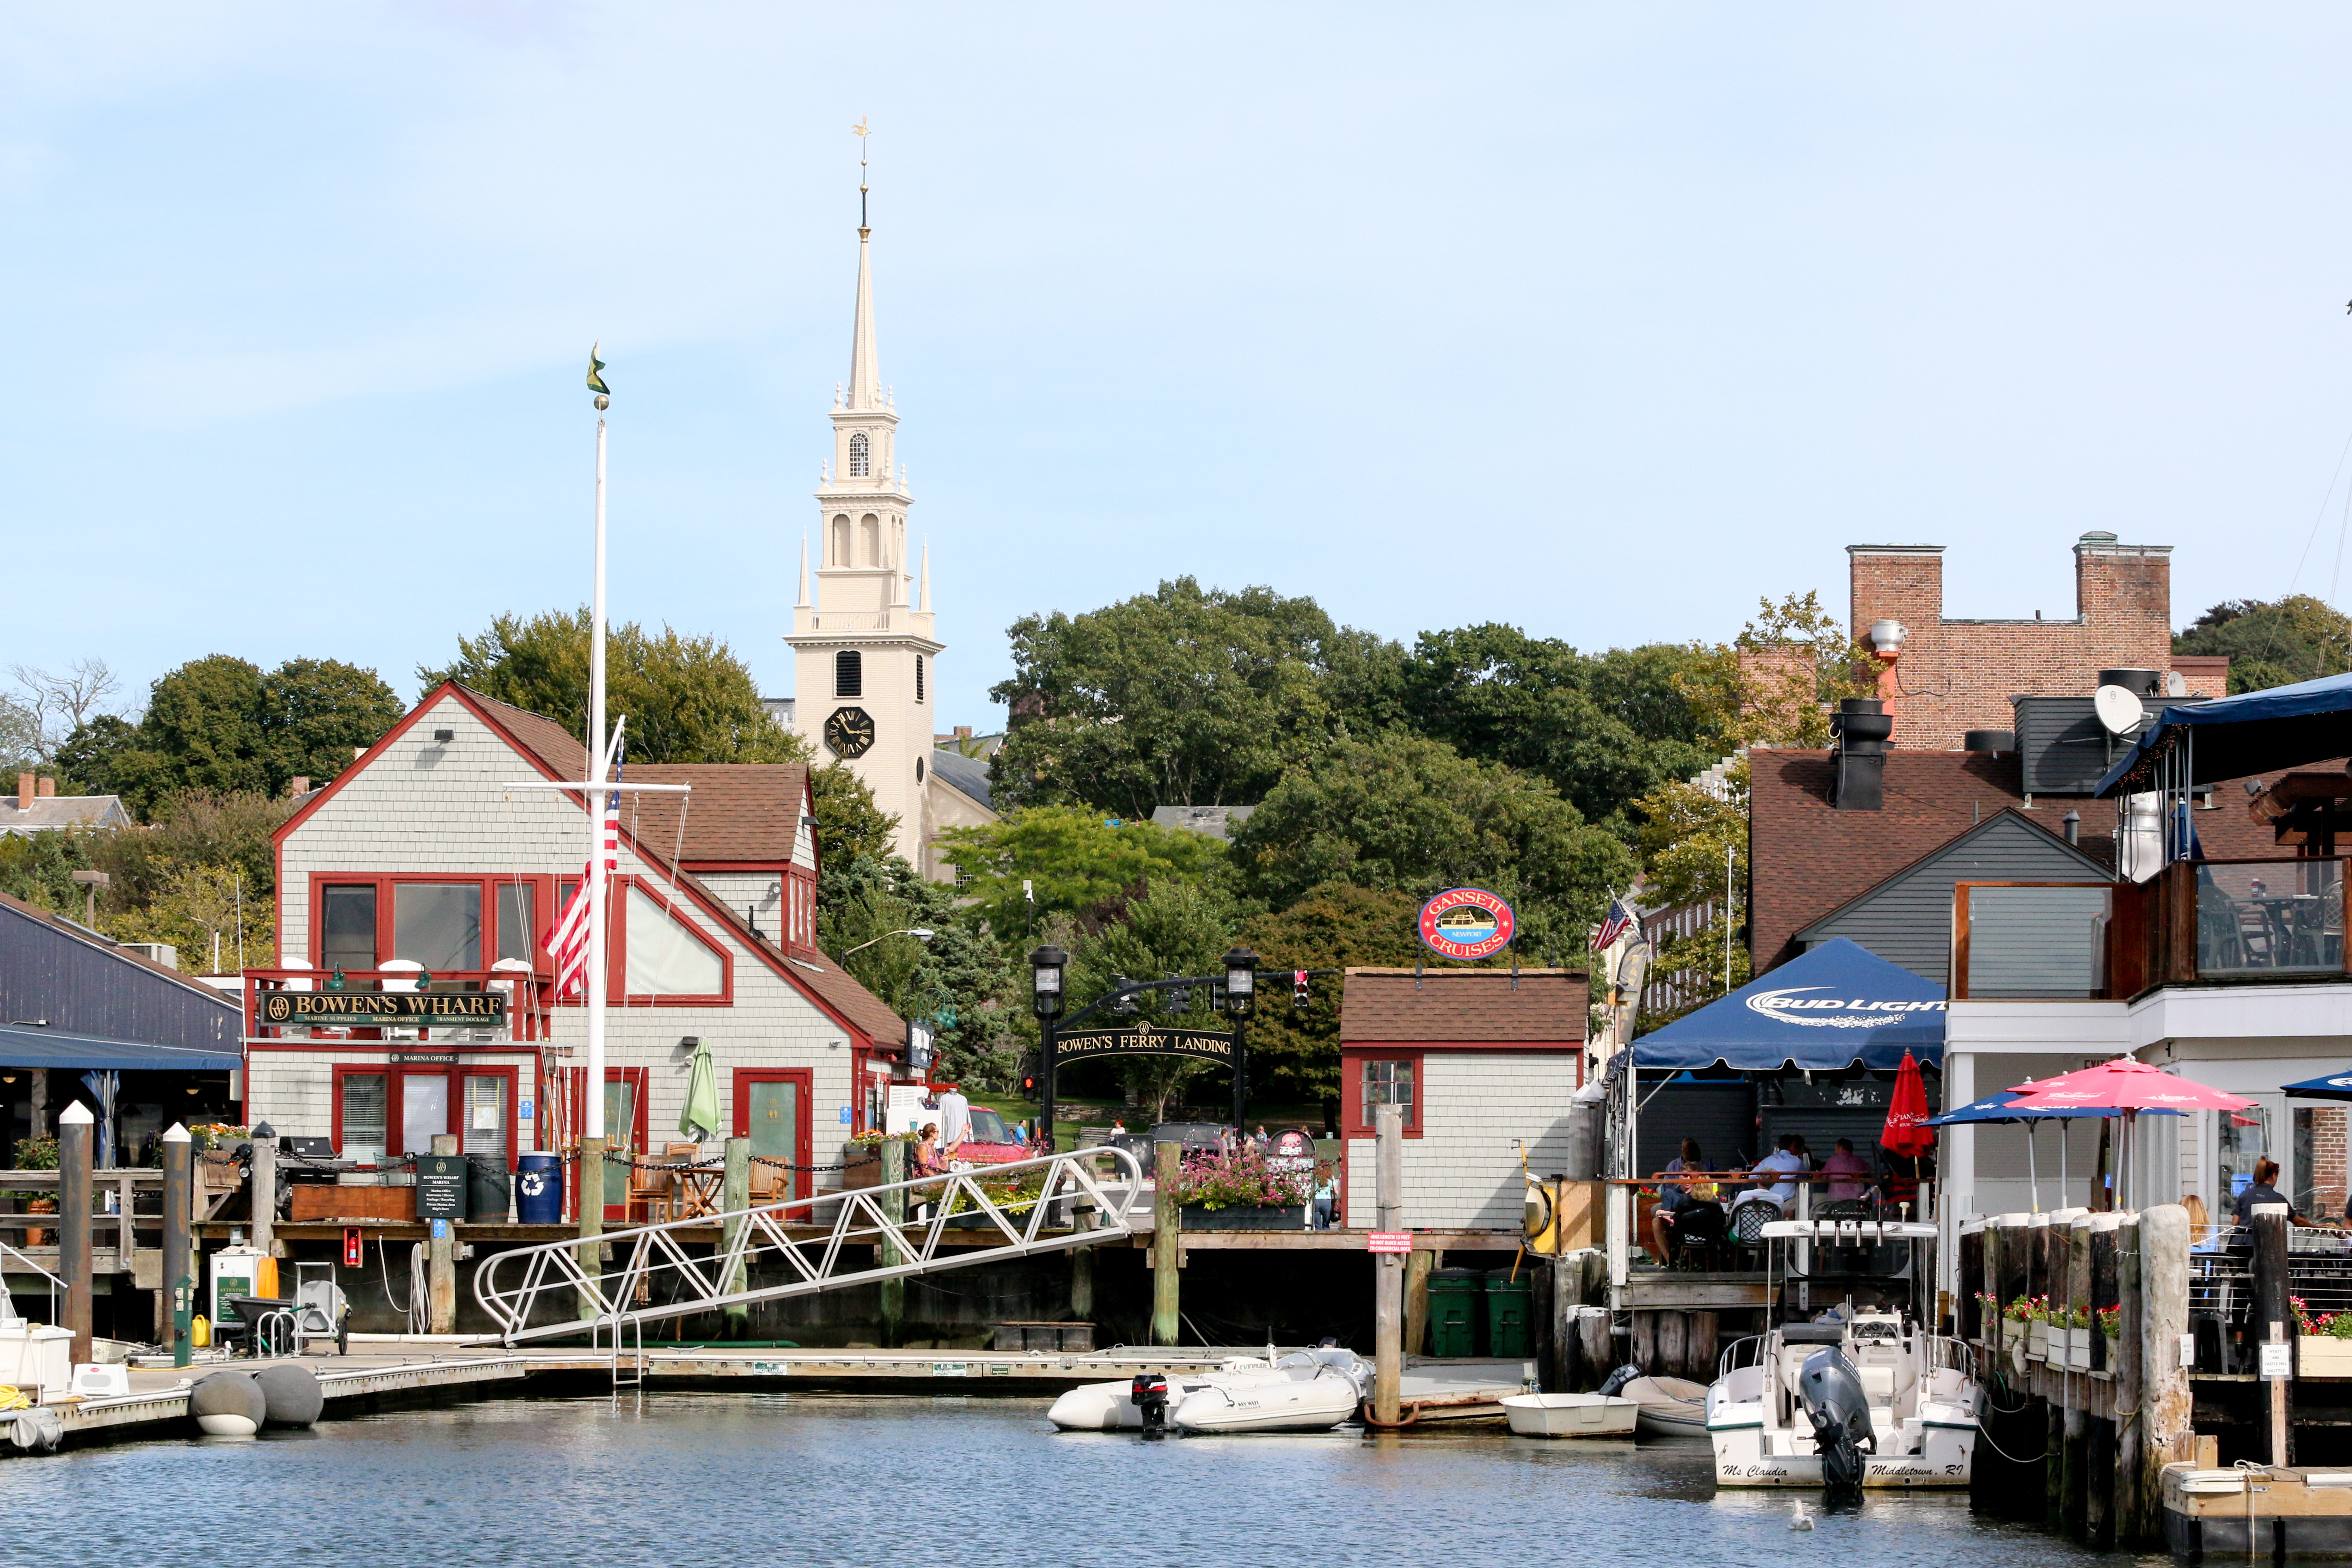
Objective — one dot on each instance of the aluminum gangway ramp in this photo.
(652, 1275)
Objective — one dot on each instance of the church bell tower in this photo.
(863, 653)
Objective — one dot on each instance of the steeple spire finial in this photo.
(864, 370)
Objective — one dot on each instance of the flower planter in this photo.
(2078, 1353)
(2323, 1355)
(2037, 1341)
(1286, 1217)
(38, 1237)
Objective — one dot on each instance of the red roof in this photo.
(1463, 1006)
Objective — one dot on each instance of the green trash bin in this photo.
(1508, 1302)
(1455, 1319)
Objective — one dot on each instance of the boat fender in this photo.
(292, 1394)
(38, 1428)
(228, 1404)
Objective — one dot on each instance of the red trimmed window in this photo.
(1373, 1080)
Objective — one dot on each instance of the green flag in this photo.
(596, 382)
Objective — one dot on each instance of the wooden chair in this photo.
(652, 1194)
(770, 1183)
(694, 1192)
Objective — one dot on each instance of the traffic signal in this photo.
(1298, 989)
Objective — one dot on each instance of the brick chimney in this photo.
(24, 792)
(300, 784)
(2122, 585)
(47, 786)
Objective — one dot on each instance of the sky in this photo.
(1600, 322)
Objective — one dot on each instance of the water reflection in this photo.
(762, 1479)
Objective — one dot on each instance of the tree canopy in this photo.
(1334, 926)
(1072, 859)
(1402, 813)
(2274, 642)
(1182, 696)
(222, 725)
(688, 699)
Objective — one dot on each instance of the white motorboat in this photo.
(1307, 1391)
(1671, 1406)
(1570, 1414)
(1897, 1406)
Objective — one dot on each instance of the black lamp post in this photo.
(1047, 966)
(1240, 990)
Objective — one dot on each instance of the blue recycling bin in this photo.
(539, 1189)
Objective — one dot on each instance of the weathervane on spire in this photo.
(861, 133)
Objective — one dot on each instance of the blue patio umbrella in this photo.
(2328, 1086)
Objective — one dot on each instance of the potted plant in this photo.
(1240, 1190)
(2323, 1343)
(37, 1155)
(2078, 1340)
(2017, 1321)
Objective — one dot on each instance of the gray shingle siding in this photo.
(1908, 920)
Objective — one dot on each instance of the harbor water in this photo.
(754, 1480)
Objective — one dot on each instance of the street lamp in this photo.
(1241, 981)
(1045, 967)
(917, 932)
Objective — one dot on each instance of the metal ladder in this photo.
(512, 1286)
(636, 1377)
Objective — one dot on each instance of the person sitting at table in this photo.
(1676, 1194)
(1846, 1170)
(1772, 1175)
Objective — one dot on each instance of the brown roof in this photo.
(738, 811)
(1463, 1006)
(833, 984)
(1808, 859)
(81, 932)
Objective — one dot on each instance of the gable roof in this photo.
(1446, 1006)
(969, 774)
(45, 813)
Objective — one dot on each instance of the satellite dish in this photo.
(2119, 709)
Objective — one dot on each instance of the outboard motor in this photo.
(1149, 1391)
(1840, 1412)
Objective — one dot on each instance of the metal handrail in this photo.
(703, 1284)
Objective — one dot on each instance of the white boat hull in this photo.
(1312, 1406)
(1571, 1415)
(1310, 1391)
(1671, 1406)
(1923, 1414)
(1943, 1461)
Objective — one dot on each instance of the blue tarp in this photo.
(2255, 732)
(1837, 1005)
(33, 1047)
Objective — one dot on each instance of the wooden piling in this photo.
(734, 1197)
(179, 1290)
(2053, 1467)
(1594, 1345)
(1167, 1241)
(1645, 1342)
(1673, 1343)
(1540, 1320)
(441, 1261)
(74, 1259)
(2130, 1526)
(1567, 1346)
(1418, 1264)
(588, 1201)
(2273, 1318)
(2167, 1434)
(261, 1195)
(1701, 1346)
(889, 1254)
(1082, 1262)
(1387, 1269)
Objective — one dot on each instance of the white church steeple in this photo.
(861, 654)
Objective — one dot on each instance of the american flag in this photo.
(1620, 920)
(569, 941)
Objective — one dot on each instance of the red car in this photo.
(989, 1141)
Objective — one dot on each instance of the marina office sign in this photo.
(1143, 1040)
(367, 1008)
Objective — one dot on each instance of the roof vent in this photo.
(1990, 741)
(1862, 725)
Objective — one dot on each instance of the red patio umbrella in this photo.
(2122, 1085)
(1907, 1132)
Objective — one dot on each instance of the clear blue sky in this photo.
(1600, 322)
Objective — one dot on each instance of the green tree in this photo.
(1604, 730)
(1405, 813)
(687, 699)
(1179, 926)
(1334, 926)
(1072, 859)
(1182, 696)
(220, 725)
(1766, 685)
(1695, 852)
(2273, 643)
(850, 824)
(960, 982)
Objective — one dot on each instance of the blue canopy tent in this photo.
(1839, 1006)
(2254, 733)
(100, 1061)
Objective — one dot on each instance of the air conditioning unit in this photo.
(161, 953)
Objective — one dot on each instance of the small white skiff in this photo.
(1571, 1415)
(1307, 1391)
(1671, 1406)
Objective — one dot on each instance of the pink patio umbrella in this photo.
(2126, 1087)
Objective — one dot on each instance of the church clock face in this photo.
(850, 732)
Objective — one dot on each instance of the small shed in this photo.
(1480, 1060)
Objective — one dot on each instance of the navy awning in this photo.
(1839, 1005)
(2238, 737)
(24, 1048)
(2329, 1086)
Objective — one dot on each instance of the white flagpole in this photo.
(592, 1111)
